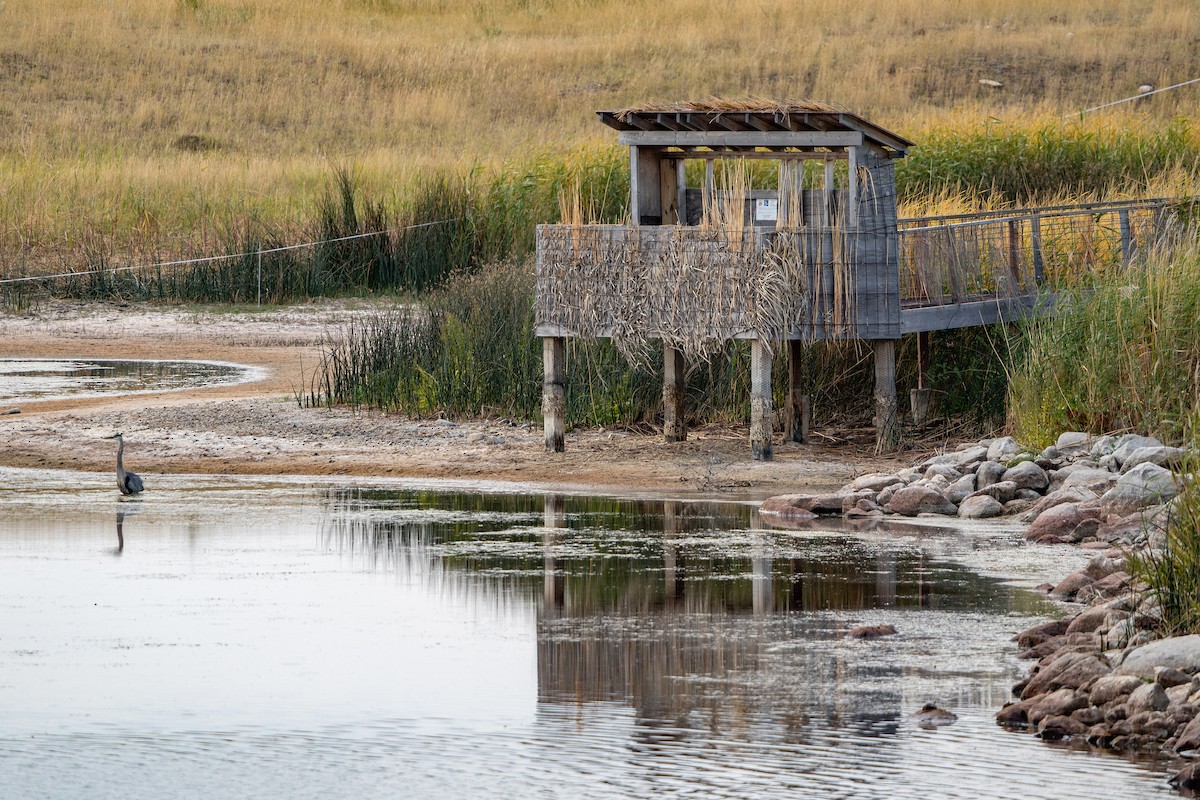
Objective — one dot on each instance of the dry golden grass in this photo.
(136, 126)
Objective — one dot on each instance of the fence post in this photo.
(260, 277)
(1014, 255)
(1126, 238)
(1035, 236)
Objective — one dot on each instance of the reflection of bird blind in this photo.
(694, 288)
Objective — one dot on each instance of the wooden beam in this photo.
(798, 415)
(674, 393)
(761, 415)
(554, 394)
(887, 430)
(741, 138)
(852, 187)
(969, 315)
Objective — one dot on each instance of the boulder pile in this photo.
(1101, 492)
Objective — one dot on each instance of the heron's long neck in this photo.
(120, 450)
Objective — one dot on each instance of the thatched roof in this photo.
(758, 115)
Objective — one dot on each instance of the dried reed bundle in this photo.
(720, 105)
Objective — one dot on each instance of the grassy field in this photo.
(145, 129)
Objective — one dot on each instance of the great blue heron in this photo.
(127, 482)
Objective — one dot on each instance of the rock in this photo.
(1084, 530)
(1147, 697)
(1178, 652)
(980, 507)
(1053, 728)
(1149, 723)
(1014, 713)
(1071, 443)
(1094, 478)
(1017, 506)
(1002, 491)
(1088, 620)
(1127, 529)
(871, 631)
(989, 472)
(1027, 475)
(788, 506)
(1040, 651)
(945, 470)
(1188, 778)
(1069, 586)
(960, 489)
(1167, 677)
(10, 411)
(1073, 494)
(959, 458)
(1060, 520)
(876, 482)
(1061, 702)
(1003, 449)
(1130, 442)
(1040, 633)
(1167, 457)
(1088, 715)
(1112, 687)
(1112, 585)
(885, 495)
(1103, 446)
(913, 500)
(1145, 485)
(1189, 737)
(930, 716)
(1070, 671)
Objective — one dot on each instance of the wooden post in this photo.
(887, 433)
(761, 423)
(1014, 256)
(1035, 242)
(918, 398)
(645, 190)
(798, 416)
(1126, 237)
(670, 171)
(554, 395)
(852, 188)
(674, 390)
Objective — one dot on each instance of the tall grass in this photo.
(1123, 355)
(1170, 568)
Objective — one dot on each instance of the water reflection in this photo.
(22, 380)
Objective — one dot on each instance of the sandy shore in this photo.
(260, 428)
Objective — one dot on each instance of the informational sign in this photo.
(766, 210)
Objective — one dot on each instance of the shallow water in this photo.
(23, 380)
(249, 638)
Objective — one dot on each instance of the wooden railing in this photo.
(1010, 254)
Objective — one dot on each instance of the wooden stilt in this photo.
(761, 422)
(554, 395)
(674, 391)
(918, 398)
(887, 432)
(797, 417)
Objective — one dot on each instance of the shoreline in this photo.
(259, 428)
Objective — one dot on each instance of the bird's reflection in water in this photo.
(120, 548)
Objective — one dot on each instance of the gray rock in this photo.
(1093, 478)
(1088, 620)
(1147, 697)
(1051, 453)
(1145, 485)
(1001, 490)
(885, 495)
(1189, 737)
(1103, 446)
(960, 489)
(1074, 494)
(1130, 442)
(1027, 475)
(1168, 677)
(875, 482)
(1073, 442)
(1178, 652)
(945, 470)
(1003, 449)
(1060, 520)
(1054, 728)
(959, 458)
(1169, 457)
(1061, 702)
(1071, 671)
(913, 500)
(1112, 687)
(989, 472)
(1069, 586)
(980, 507)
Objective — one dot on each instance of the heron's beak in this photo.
(115, 435)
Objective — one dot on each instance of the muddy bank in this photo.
(260, 428)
